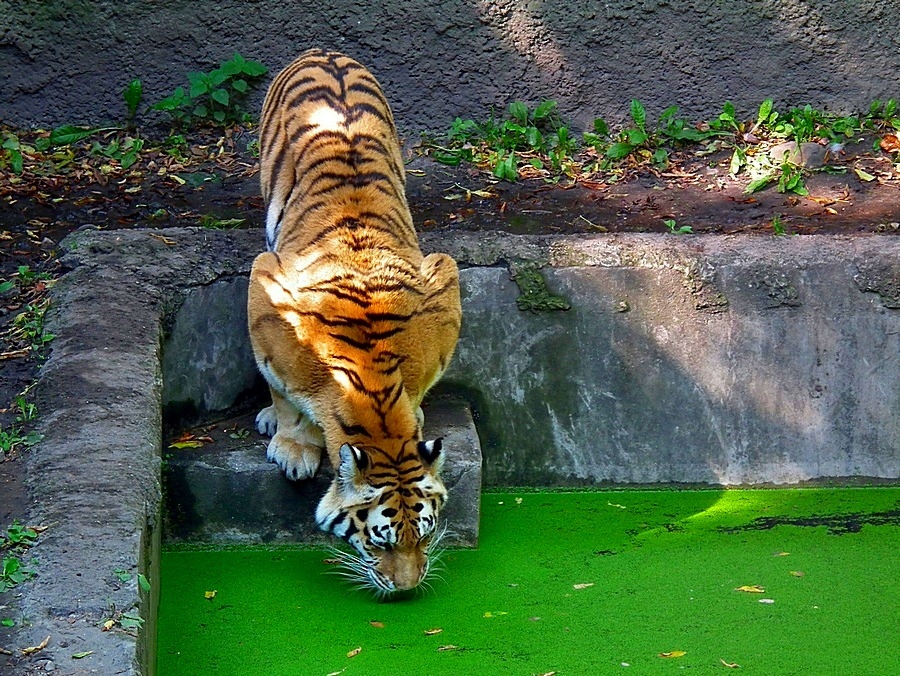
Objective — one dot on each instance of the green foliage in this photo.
(641, 142)
(213, 223)
(778, 225)
(18, 535)
(132, 94)
(11, 153)
(126, 151)
(676, 229)
(28, 325)
(523, 138)
(216, 97)
(12, 573)
(11, 438)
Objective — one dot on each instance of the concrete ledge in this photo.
(712, 359)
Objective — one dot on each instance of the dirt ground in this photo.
(212, 182)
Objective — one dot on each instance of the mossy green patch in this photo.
(580, 583)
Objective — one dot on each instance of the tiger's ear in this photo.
(430, 452)
(353, 461)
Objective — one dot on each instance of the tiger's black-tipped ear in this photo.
(430, 451)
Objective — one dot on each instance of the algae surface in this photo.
(573, 583)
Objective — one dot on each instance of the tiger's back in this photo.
(350, 324)
(329, 148)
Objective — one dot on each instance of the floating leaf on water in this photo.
(377, 624)
(331, 562)
(210, 594)
(355, 652)
(496, 613)
(445, 648)
(433, 632)
(730, 665)
(750, 589)
(583, 585)
(672, 654)
(798, 573)
(767, 601)
(781, 554)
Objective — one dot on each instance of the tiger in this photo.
(350, 323)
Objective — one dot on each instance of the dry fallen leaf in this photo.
(355, 652)
(890, 143)
(210, 594)
(730, 665)
(377, 624)
(445, 648)
(433, 632)
(750, 589)
(109, 624)
(583, 585)
(36, 648)
(672, 654)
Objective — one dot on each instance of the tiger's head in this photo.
(388, 511)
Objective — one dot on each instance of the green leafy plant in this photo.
(133, 94)
(643, 142)
(778, 225)
(216, 97)
(12, 573)
(524, 137)
(28, 325)
(27, 410)
(11, 153)
(19, 535)
(213, 223)
(125, 151)
(13, 437)
(676, 229)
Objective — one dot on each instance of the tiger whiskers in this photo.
(363, 576)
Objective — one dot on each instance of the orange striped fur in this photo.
(350, 324)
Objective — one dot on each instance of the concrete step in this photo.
(225, 492)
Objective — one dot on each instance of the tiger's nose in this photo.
(404, 568)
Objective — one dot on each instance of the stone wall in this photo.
(67, 61)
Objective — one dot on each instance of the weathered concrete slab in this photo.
(232, 495)
(714, 359)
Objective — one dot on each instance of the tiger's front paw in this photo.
(267, 421)
(298, 461)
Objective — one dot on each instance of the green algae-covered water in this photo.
(777, 582)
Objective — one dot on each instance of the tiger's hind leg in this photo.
(297, 442)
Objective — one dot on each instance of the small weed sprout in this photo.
(676, 229)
